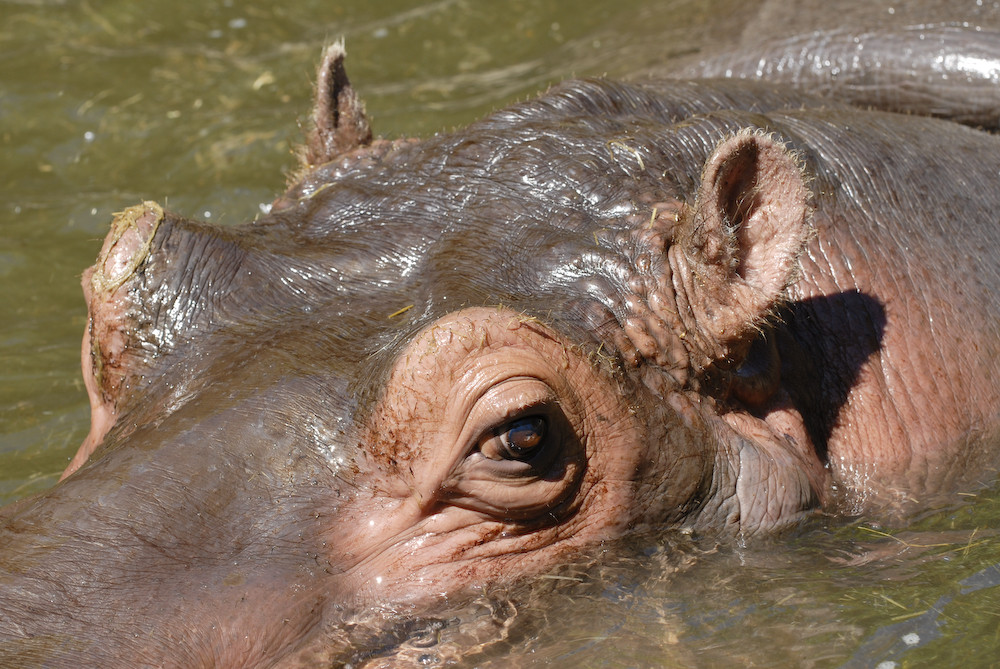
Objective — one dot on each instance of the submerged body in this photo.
(437, 365)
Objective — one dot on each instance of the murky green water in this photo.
(195, 104)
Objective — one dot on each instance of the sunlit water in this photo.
(195, 104)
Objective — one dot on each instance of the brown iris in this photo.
(523, 437)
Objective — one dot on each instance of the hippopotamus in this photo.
(436, 366)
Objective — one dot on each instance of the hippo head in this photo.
(434, 366)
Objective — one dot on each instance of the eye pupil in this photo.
(524, 436)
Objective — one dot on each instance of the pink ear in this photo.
(749, 225)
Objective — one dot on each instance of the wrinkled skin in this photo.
(440, 365)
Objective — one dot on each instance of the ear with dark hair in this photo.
(338, 119)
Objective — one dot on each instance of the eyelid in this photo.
(503, 403)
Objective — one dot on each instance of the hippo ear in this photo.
(338, 119)
(742, 241)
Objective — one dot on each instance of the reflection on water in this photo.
(195, 105)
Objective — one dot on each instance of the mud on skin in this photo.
(441, 365)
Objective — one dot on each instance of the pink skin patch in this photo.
(495, 437)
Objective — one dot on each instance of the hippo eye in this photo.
(523, 437)
(524, 447)
(522, 457)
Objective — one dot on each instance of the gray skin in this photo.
(441, 365)
(921, 57)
